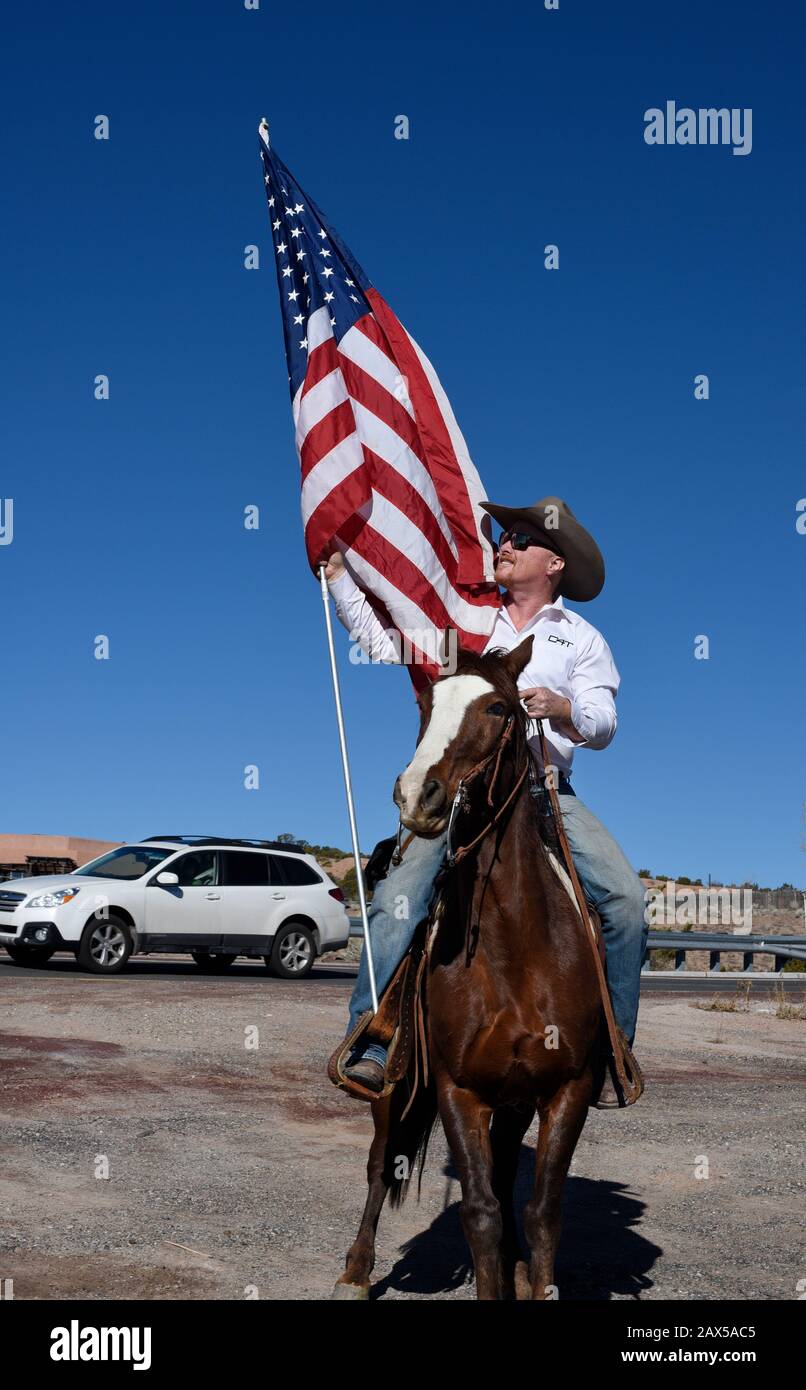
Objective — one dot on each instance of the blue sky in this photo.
(526, 128)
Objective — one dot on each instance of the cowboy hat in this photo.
(554, 525)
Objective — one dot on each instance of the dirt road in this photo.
(236, 1170)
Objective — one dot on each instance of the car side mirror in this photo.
(167, 879)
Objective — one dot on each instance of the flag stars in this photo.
(292, 219)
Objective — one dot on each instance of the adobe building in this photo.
(24, 856)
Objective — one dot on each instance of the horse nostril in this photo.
(396, 796)
(432, 797)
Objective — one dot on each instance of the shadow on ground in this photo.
(601, 1252)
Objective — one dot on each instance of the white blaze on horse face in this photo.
(452, 698)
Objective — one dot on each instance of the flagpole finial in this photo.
(263, 129)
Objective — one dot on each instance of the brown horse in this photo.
(513, 1007)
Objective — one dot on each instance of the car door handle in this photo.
(278, 895)
(213, 897)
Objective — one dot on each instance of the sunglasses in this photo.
(519, 540)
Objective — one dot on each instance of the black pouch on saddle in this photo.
(544, 815)
(377, 866)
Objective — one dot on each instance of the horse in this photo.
(513, 1009)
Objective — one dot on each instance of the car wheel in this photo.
(106, 945)
(293, 953)
(29, 955)
(211, 962)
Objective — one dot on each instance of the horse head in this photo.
(464, 718)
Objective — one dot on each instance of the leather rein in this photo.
(461, 801)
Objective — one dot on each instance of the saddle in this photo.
(400, 1023)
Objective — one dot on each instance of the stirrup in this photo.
(632, 1074)
(336, 1065)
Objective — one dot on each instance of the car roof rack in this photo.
(197, 840)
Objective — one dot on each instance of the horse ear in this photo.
(515, 661)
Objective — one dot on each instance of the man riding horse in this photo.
(570, 681)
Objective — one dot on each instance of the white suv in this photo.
(215, 898)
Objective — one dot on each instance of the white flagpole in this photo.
(348, 787)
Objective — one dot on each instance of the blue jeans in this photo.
(402, 900)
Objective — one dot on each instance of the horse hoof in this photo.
(351, 1291)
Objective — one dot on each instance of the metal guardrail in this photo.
(717, 944)
(783, 948)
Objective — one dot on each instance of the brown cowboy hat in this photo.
(552, 522)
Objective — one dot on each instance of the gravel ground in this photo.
(238, 1171)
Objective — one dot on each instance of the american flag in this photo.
(386, 474)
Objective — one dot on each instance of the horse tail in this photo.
(407, 1138)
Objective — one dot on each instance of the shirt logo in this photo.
(563, 641)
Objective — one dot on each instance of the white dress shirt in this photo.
(568, 657)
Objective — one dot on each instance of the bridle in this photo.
(461, 800)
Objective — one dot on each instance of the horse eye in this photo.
(497, 708)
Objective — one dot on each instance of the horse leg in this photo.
(561, 1123)
(354, 1282)
(466, 1121)
(509, 1125)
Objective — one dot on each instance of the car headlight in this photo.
(57, 899)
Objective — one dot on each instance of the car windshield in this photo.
(129, 862)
